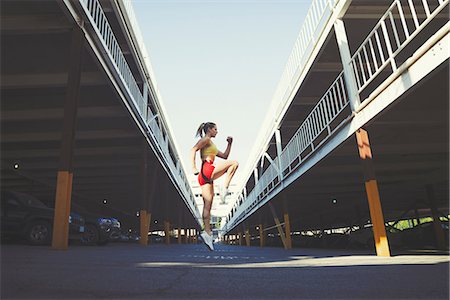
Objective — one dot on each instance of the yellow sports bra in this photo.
(209, 150)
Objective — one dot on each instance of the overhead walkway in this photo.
(82, 119)
(357, 134)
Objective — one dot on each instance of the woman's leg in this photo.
(208, 195)
(229, 167)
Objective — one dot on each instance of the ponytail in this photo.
(199, 130)
(203, 128)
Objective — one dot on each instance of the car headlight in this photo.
(104, 221)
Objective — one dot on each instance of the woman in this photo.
(210, 172)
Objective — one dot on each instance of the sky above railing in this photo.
(218, 61)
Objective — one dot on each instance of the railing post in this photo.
(279, 151)
(255, 173)
(349, 76)
(145, 100)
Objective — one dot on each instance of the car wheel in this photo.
(39, 233)
(90, 235)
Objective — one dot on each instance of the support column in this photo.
(194, 235)
(349, 76)
(287, 224)
(278, 224)
(376, 212)
(262, 238)
(416, 212)
(144, 218)
(60, 238)
(167, 232)
(179, 235)
(247, 236)
(186, 235)
(439, 232)
(240, 238)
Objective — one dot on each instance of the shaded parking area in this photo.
(126, 271)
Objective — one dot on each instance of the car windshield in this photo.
(31, 201)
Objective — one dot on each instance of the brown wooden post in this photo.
(373, 196)
(278, 224)
(167, 232)
(194, 235)
(60, 238)
(144, 218)
(247, 236)
(143, 214)
(262, 238)
(186, 235)
(439, 232)
(287, 224)
(179, 235)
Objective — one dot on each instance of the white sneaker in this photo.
(207, 239)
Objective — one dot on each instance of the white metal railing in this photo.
(316, 18)
(105, 33)
(99, 22)
(374, 54)
(332, 103)
(396, 28)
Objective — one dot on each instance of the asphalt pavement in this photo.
(130, 271)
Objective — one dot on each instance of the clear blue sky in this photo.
(219, 61)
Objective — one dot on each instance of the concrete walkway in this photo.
(126, 271)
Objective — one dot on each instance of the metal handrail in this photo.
(378, 50)
(318, 14)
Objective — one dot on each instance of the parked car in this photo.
(364, 238)
(99, 231)
(423, 235)
(26, 217)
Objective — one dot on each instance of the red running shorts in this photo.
(205, 174)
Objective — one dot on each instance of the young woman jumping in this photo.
(210, 172)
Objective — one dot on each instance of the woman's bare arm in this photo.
(225, 154)
(200, 144)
